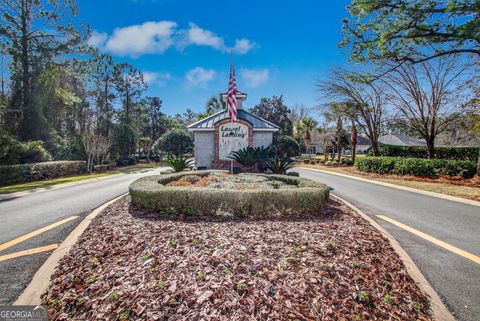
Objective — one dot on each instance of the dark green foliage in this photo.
(176, 142)
(100, 168)
(152, 194)
(124, 141)
(416, 166)
(275, 111)
(13, 151)
(12, 174)
(178, 163)
(249, 156)
(280, 165)
(453, 153)
(128, 161)
(285, 146)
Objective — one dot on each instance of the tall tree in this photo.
(275, 111)
(130, 85)
(424, 96)
(35, 32)
(411, 31)
(306, 126)
(366, 100)
(102, 73)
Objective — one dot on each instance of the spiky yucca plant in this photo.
(178, 163)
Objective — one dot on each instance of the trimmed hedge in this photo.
(452, 153)
(417, 166)
(12, 174)
(152, 194)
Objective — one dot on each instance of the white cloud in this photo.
(156, 78)
(147, 38)
(199, 76)
(155, 37)
(97, 39)
(243, 46)
(254, 77)
(203, 37)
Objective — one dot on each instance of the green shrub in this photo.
(127, 161)
(280, 166)
(175, 142)
(101, 168)
(12, 174)
(285, 146)
(152, 194)
(416, 166)
(178, 163)
(452, 153)
(14, 152)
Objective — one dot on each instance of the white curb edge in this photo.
(404, 188)
(41, 279)
(439, 311)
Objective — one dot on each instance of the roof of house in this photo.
(363, 141)
(210, 121)
(400, 140)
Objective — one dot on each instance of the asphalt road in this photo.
(455, 278)
(28, 213)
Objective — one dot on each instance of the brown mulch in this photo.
(130, 265)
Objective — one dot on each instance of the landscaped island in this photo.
(175, 262)
(219, 193)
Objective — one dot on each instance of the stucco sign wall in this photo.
(231, 137)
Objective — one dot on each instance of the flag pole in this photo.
(231, 118)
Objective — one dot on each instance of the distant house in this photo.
(362, 145)
(400, 140)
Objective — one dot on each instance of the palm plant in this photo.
(178, 163)
(279, 165)
(246, 156)
(306, 125)
(250, 156)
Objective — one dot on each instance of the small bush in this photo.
(178, 163)
(416, 166)
(280, 166)
(128, 161)
(152, 194)
(101, 168)
(12, 174)
(452, 153)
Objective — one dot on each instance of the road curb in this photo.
(404, 188)
(41, 279)
(9, 196)
(439, 311)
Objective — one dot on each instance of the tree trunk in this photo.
(478, 163)
(353, 140)
(430, 147)
(374, 148)
(339, 139)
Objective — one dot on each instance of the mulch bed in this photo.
(452, 180)
(131, 265)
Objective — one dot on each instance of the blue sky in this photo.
(281, 47)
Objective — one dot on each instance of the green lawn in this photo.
(61, 180)
(50, 182)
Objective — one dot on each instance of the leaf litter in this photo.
(132, 265)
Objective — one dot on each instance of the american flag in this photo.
(232, 95)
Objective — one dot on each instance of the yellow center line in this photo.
(35, 233)
(432, 239)
(28, 252)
